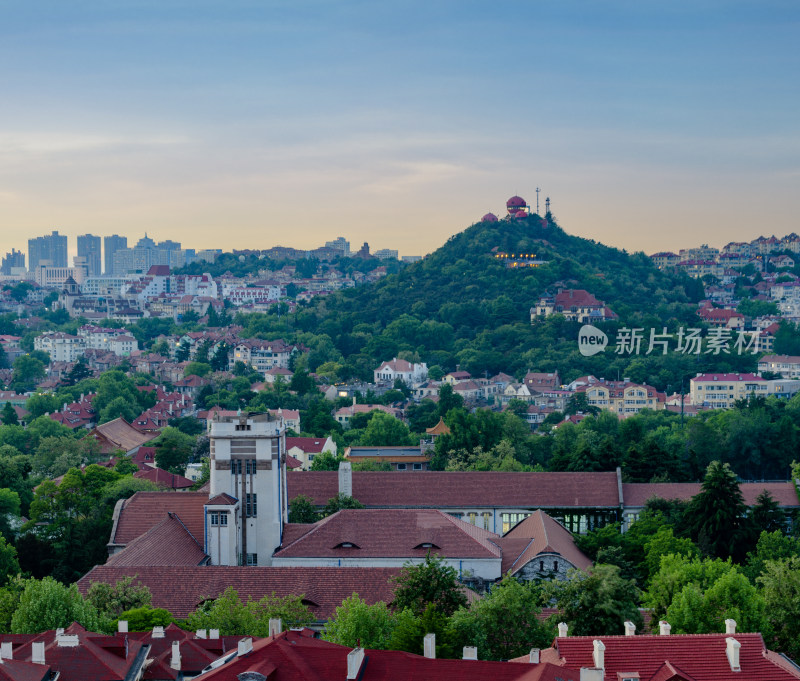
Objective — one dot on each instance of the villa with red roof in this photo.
(304, 449)
(577, 305)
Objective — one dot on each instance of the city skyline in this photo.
(650, 127)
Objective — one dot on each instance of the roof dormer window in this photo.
(426, 545)
(347, 545)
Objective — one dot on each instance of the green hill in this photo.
(461, 306)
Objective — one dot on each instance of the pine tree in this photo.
(9, 416)
(717, 517)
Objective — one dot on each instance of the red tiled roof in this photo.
(222, 500)
(710, 378)
(164, 478)
(196, 653)
(578, 297)
(637, 494)
(309, 445)
(180, 589)
(95, 658)
(540, 534)
(167, 543)
(702, 656)
(295, 656)
(144, 509)
(438, 489)
(382, 533)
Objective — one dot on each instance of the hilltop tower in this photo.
(247, 504)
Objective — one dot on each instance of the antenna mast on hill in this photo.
(537, 200)
(547, 205)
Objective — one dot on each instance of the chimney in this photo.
(470, 653)
(213, 633)
(122, 626)
(6, 650)
(533, 656)
(630, 628)
(175, 660)
(589, 674)
(275, 626)
(245, 646)
(730, 626)
(429, 646)
(67, 641)
(59, 632)
(599, 654)
(355, 659)
(732, 651)
(201, 633)
(37, 652)
(664, 628)
(345, 478)
(562, 629)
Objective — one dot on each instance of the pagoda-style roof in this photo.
(439, 429)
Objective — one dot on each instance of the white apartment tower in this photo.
(247, 505)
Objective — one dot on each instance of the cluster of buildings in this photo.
(171, 654)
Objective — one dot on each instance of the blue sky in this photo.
(651, 125)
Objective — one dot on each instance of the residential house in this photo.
(623, 397)
(304, 449)
(577, 305)
(788, 366)
(721, 391)
(344, 414)
(389, 372)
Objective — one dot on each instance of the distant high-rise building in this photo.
(340, 244)
(14, 259)
(51, 248)
(386, 254)
(112, 244)
(89, 248)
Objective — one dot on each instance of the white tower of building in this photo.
(247, 505)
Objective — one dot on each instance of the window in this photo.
(541, 566)
(401, 467)
(251, 506)
(485, 515)
(249, 466)
(223, 519)
(252, 559)
(555, 566)
(472, 516)
(214, 518)
(417, 466)
(236, 466)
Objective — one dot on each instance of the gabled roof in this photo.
(539, 534)
(145, 509)
(701, 656)
(95, 658)
(166, 543)
(295, 656)
(163, 478)
(120, 434)
(180, 589)
(309, 445)
(392, 533)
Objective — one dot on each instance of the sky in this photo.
(651, 126)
